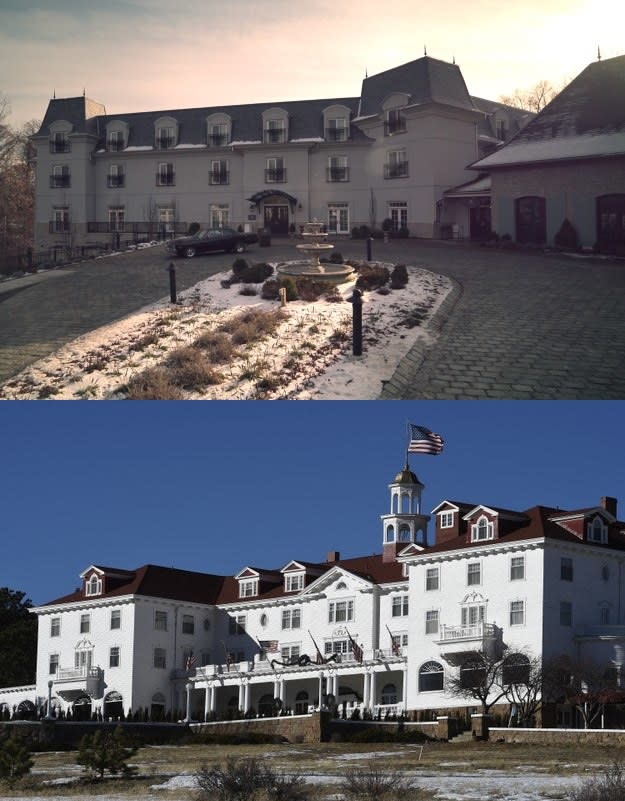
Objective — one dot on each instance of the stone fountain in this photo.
(314, 246)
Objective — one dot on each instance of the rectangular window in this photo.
(60, 178)
(338, 218)
(219, 174)
(188, 624)
(293, 582)
(398, 212)
(275, 131)
(115, 177)
(605, 615)
(165, 175)
(160, 658)
(566, 613)
(431, 621)
(290, 652)
(517, 613)
(566, 569)
(55, 627)
(340, 611)
(236, 624)
(60, 143)
(248, 589)
(472, 615)
(53, 664)
(395, 122)
(337, 647)
(291, 618)
(337, 129)
(474, 573)
(160, 620)
(114, 657)
(432, 578)
(218, 135)
(337, 169)
(219, 215)
(275, 171)
(396, 164)
(116, 140)
(60, 220)
(400, 606)
(400, 641)
(85, 624)
(116, 619)
(517, 568)
(165, 137)
(117, 217)
(447, 519)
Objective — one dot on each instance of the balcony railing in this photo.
(58, 146)
(217, 140)
(73, 674)
(336, 134)
(394, 126)
(476, 632)
(141, 228)
(397, 170)
(277, 176)
(274, 136)
(115, 145)
(115, 180)
(337, 174)
(165, 179)
(58, 226)
(165, 142)
(60, 181)
(219, 177)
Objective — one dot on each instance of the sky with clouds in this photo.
(135, 55)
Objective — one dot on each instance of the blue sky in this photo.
(216, 486)
(137, 55)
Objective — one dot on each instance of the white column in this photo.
(282, 694)
(372, 691)
(320, 689)
(405, 688)
(242, 697)
(365, 690)
(213, 697)
(246, 696)
(188, 688)
(208, 691)
(276, 688)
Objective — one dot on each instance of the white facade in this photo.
(380, 633)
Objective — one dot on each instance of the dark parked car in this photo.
(209, 239)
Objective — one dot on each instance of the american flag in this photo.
(356, 649)
(191, 660)
(422, 440)
(269, 646)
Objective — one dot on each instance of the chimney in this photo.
(609, 504)
(333, 556)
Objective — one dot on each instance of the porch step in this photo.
(463, 737)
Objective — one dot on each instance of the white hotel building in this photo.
(545, 580)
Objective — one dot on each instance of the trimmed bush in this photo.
(567, 237)
(290, 286)
(399, 276)
(403, 232)
(387, 225)
(256, 273)
(270, 289)
(336, 258)
(239, 266)
(372, 276)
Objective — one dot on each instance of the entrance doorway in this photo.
(479, 221)
(277, 219)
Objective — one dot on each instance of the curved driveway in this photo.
(517, 325)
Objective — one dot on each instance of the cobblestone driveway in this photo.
(518, 325)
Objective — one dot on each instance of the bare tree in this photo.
(525, 683)
(534, 99)
(478, 678)
(588, 686)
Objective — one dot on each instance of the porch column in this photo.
(372, 691)
(365, 690)
(281, 692)
(320, 689)
(188, 688)
(241, 697)
(335, 686)
(208, 692)
(246, 696)
(405, 688)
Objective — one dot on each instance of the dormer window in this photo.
(446, 519)
(248, 588)
(336, 129)
(395, 122)
(165, 133)
(275, 132)
(597, 531)
(59, 143)
(293, 582)
(218, 134)
(482, 530)
(93, 586)
(115, 141)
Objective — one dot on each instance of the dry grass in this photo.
(153, 384)
(190, 369)
(217, 345)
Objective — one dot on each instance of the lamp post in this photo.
(188, 688)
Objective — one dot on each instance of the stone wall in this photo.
(293, 728)
(42, 735)
(558, 736)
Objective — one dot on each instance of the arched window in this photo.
(389, 694)
(482, 530)
(390, 534)
(516, 670)
(26, 710)
(430, 677)
(405, 504)
(404, 533)
(395, 504)
(113, 706)
(82, 708)
(157, 707)
(94, 586)
(301, 703)
(266, 706)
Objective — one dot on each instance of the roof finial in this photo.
(598, 53)
(453, 61)
(425, 50)
(366, 73)
(84, 93)
(54, 94)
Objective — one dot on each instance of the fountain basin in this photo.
(329, 273)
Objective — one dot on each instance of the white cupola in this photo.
(405, 523)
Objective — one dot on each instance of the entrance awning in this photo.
(458, 658)
(257, 197)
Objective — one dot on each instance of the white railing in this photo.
(475, 632)
(76, 674)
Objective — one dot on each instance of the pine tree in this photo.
(106, 751)
(15, 760)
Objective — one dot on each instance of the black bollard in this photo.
(369, 241)
(356, 301)
(172, 282)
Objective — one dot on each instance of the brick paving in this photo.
(516, 325)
